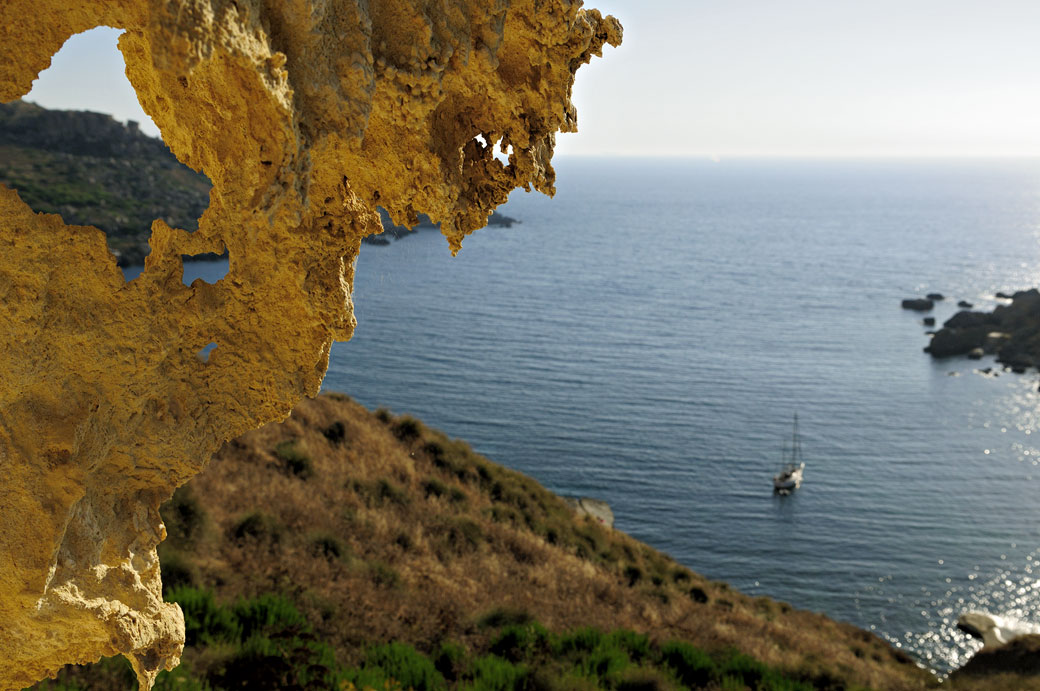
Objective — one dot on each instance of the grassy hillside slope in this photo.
(378, 529)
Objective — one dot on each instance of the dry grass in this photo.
(397, 533)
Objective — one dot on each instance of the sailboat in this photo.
(790, 475)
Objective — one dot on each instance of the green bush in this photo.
(296, 459)
(336, 433)
(434, 488)
(692, 666)
(580, 641)
(464, 535)
(257, 526)
(388, 491)
(518, 642)
(406, 428)
(450, 660)
(184, 518)
(177, 569)
(403, 664)
(492, 673)
(384, 575)
(504, 616)
(267, 613)
(288, 660)
(605, 663)
(635, 645)
(644, 679)
(329, 546)
(205, 621)
(182, 678)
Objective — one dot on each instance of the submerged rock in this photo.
(993, 629)
(594, 508)
(918, 304)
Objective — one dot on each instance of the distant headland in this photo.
(94, 170)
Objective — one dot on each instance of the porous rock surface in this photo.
(306, 115)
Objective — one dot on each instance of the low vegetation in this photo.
(376, 552)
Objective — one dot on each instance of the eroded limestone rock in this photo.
(305, 115)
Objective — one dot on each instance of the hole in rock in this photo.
(499, 152)
(209, 267)
(503, 152)
(204, 353)
(79, 145)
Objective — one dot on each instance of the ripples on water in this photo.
(646, 336)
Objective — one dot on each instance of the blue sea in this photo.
(646, 336)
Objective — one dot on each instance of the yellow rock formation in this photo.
(306, 115)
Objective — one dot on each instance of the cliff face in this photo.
(305, 116)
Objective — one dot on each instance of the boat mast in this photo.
(796, 444)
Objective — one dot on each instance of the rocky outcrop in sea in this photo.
(1011, 332)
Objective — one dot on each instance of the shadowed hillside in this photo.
(93, 170)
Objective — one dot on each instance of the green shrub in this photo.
(697, 594)
(464, 535)
(518, 642)
(267, 613)
(436, 452)
(177, 569)
(406, 428)
(182, 678)
(633, 574)
(205, 621)
(336, 433)
(605, 663)
(457, 496)
(581, 641)
(504, 616)
(290, 660)
(635, 645)
(388, 491)
(644, 679)
(328, 546)
(402, 663)
(450, 660)
(383, 415)
(692, 666)
(384, 575)
(434, 488)
(296, 460)
(491, 673)
(257, 526)
(184, 518)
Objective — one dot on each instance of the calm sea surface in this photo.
(646, 337)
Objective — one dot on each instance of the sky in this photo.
(718, 78)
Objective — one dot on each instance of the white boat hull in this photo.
(789, 479)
